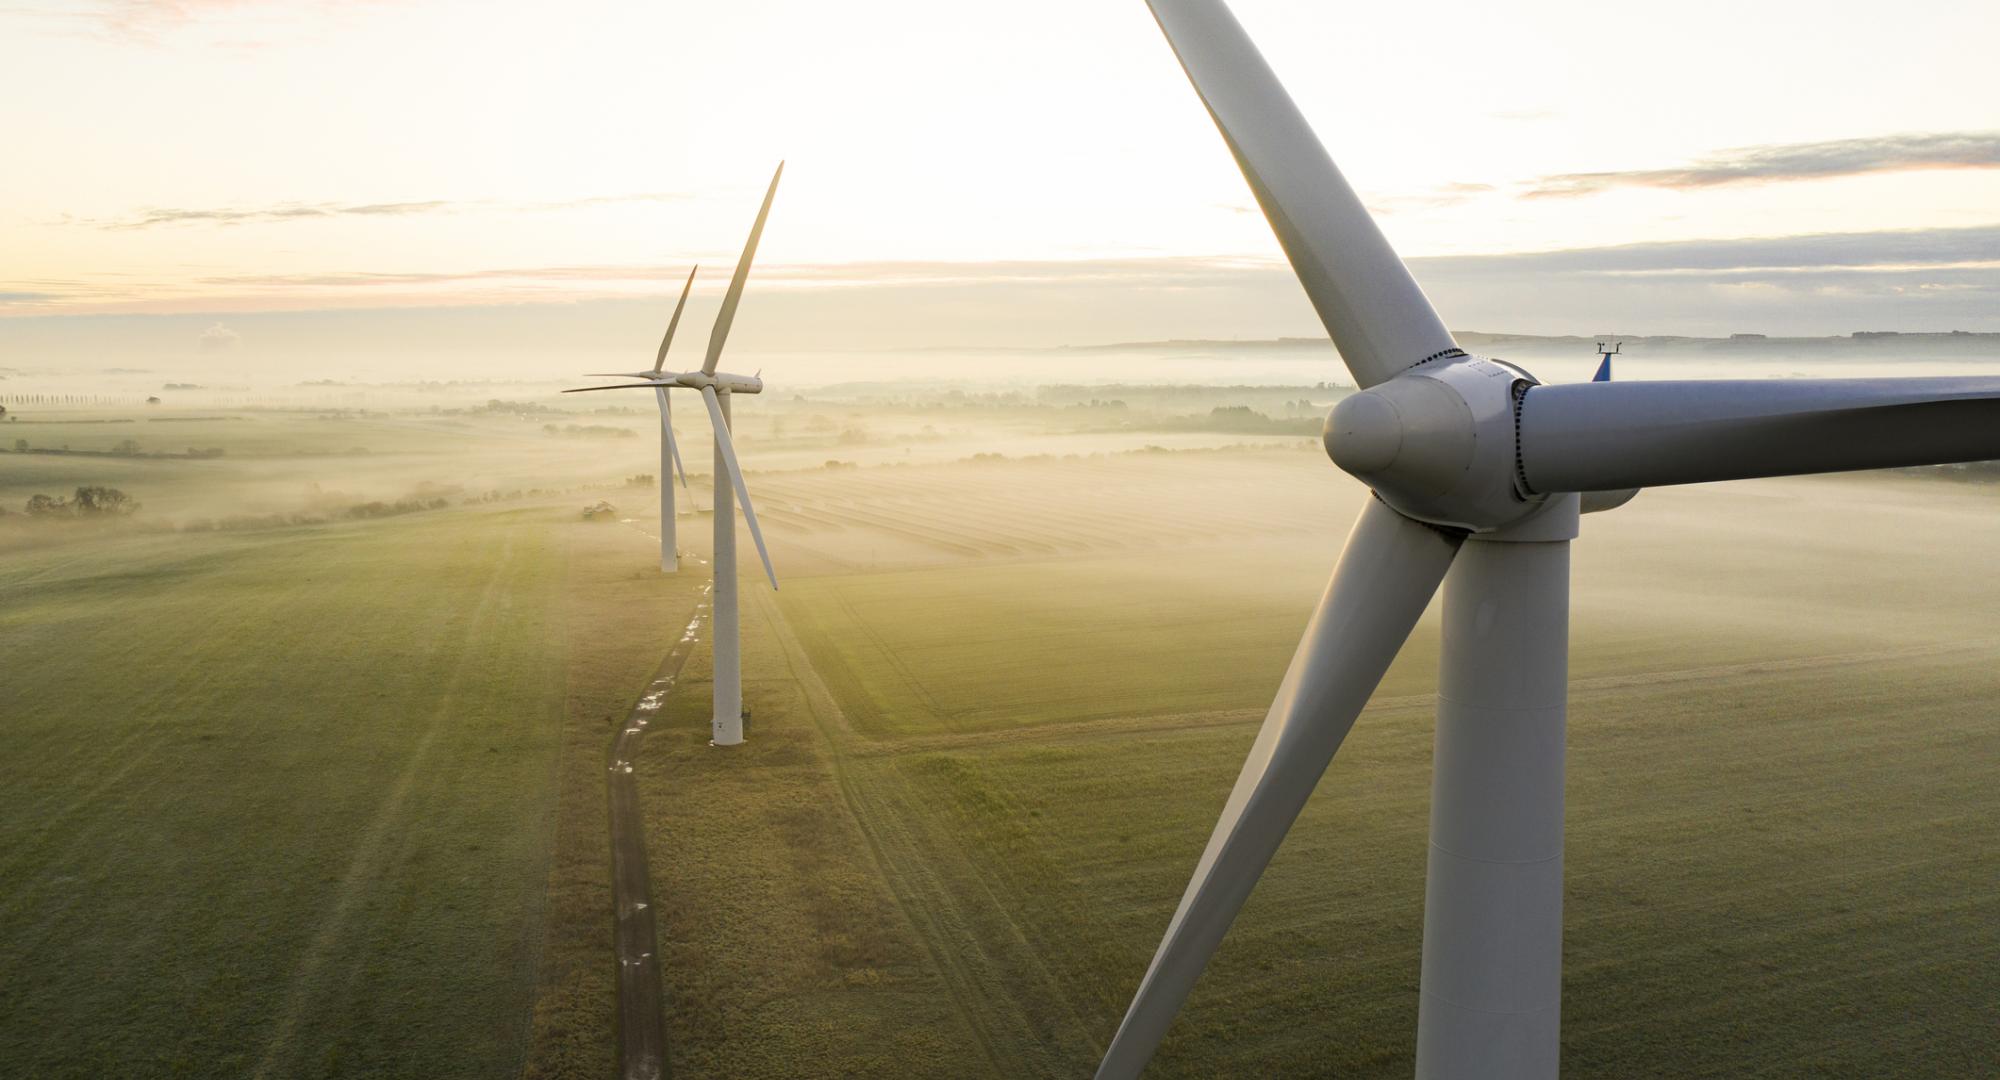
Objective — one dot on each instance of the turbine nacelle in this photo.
(1438, 442)
(722, 381)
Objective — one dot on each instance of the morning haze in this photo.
(327, 613)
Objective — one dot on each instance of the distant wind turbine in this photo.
(1478, 472)
(726, 727)
(670, 452)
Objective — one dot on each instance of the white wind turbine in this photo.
(670, 452)
(1479, 473)
(726, 727)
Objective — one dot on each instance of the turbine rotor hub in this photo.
(1437, 442)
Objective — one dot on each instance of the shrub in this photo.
(103, 502)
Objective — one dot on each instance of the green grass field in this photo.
(276, 792)
(327, 800)
(996, 775)
(311, 801)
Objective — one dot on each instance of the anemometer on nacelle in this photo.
(1607, 350)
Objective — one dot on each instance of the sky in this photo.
(210, 174)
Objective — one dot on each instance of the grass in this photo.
(962, 650)
(281, 804)
(310, 801)
(328, 800)
(786, 950)
(618, 610)
(1781, 810)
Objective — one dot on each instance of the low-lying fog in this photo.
(223, 443)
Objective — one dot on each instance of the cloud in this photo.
(125, 21)
(219, 338)
(292, 212)
(1435, 198)
(283, 212)
(1894, 250)
(24, 297)
(1821, 283)
(152, 22)
(1166, 272)
(1813, 284)
(1795, 161)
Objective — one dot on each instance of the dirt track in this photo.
(641, 1017)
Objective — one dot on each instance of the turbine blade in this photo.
(667, 433)
(620, 386)
(1373, 309)
(661, 360)
(735, 294)
(621, 374)
(1602, 436)
(728, 448)
(1385, 577)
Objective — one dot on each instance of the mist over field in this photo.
(1034, 603)
(374, 707)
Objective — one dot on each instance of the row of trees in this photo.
(67, 399)
(123, 448)
(86, 502)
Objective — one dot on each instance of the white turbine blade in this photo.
(620, 386)
(1377, 316)
(735, 294)
(661, 360)
(667, 433)
(1608, 435)
(728, 448)
(1385, 577)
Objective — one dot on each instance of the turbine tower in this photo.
(716, 388)
(670, 452)
(1479, 473)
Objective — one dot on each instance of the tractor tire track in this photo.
(1079, 731)
(371, 853)
(960, 980)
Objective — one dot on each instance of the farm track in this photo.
(642, 1038)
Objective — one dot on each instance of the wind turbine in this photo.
(670, 452)
(1479, 473)
(726, 726)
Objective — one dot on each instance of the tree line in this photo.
(89, 501)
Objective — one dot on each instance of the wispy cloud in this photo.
(1433, 199)
(1794, 161)
(1164, 272)
(1832, 282)
(152, 22)
(153, 217)
(1972, 246)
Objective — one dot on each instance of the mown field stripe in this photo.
(364, 868)
(973, 1001)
